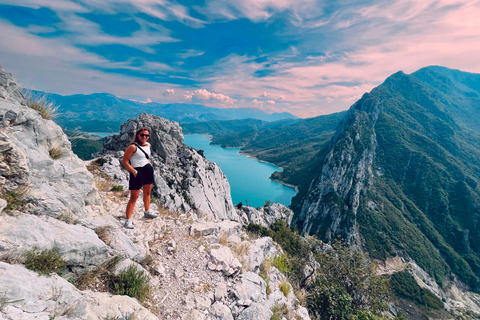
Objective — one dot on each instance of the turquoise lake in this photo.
(249, 179)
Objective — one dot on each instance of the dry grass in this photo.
(240, 250)
(222, 238)
(97, 279)
(67, 218)
(56, 153)
(103, 234)
(301, 295)
(48, 110)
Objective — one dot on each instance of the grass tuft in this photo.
(67, 218)
(284, 287)
(56, 153)
(131, 282)
(3, 303)
(45, 262)
(103, 234)
(222, 238)
(279, 311)
(117, 188)
(15, 198)
(47, 110)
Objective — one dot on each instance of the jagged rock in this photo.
(202, 303)
(179, 170)
(194, 315)
(221, 312)
(250, 288)
(32, 296)
(222, 259)
(220, 291)
(77, 245)
(267, 215)
(57, 186)
(256, 311)
(204, 229)
(260, 250)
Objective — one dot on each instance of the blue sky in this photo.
(305, 57)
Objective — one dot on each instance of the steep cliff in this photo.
(400, 177)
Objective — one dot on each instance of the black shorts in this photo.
(144, 176)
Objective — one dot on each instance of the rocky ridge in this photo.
(200, 264)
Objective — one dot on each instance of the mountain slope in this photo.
(106, 112)
(400, 176)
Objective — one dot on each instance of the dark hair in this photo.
(135, 137)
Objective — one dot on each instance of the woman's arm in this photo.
(128, 154)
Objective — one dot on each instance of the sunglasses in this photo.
(144, 135)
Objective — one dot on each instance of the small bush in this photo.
(15, 198)
(281, 262)
(117, 188)
(46, 109)
(56, 153)
(279, 311)
(45, 262)
(284, 287)
(130, 282)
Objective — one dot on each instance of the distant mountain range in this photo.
(103, 112)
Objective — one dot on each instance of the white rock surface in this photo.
(32, 296)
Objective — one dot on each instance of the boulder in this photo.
(78, 246)
(256, 311)
(250, 288)
(220, 311)
(32, 296)
(222, 259)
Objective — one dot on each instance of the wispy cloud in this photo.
(308, 57)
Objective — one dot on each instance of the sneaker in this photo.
(150, 214)
(128, 224)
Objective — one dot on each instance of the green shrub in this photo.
(279, 311)
(405, 286)
(45, 262)
(15, 199)
(117, 188)
(46, 109)
(346, 284)
(284, 287)
(281, 262)
(131, 282)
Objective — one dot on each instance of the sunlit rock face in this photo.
(184, 180)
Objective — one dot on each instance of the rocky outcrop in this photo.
(51, 186)
(184, 180)
(332, 200)
(267, 215)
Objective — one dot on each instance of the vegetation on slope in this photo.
(424, 201)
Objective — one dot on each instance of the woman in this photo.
(136, 160)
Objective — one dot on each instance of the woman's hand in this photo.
(135, 173)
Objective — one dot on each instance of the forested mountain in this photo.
(103, 112)
(401, 175)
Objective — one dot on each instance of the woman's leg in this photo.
(134, 194)
(146, 196)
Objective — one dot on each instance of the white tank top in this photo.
(138, 159)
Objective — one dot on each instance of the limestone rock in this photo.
(250, 288)
(256, 311)
(260, 250)
(78, 246)
(57, 186)
(37, 297)
(222, 259)
(220, 311)
(267, 215)
(185, 181)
